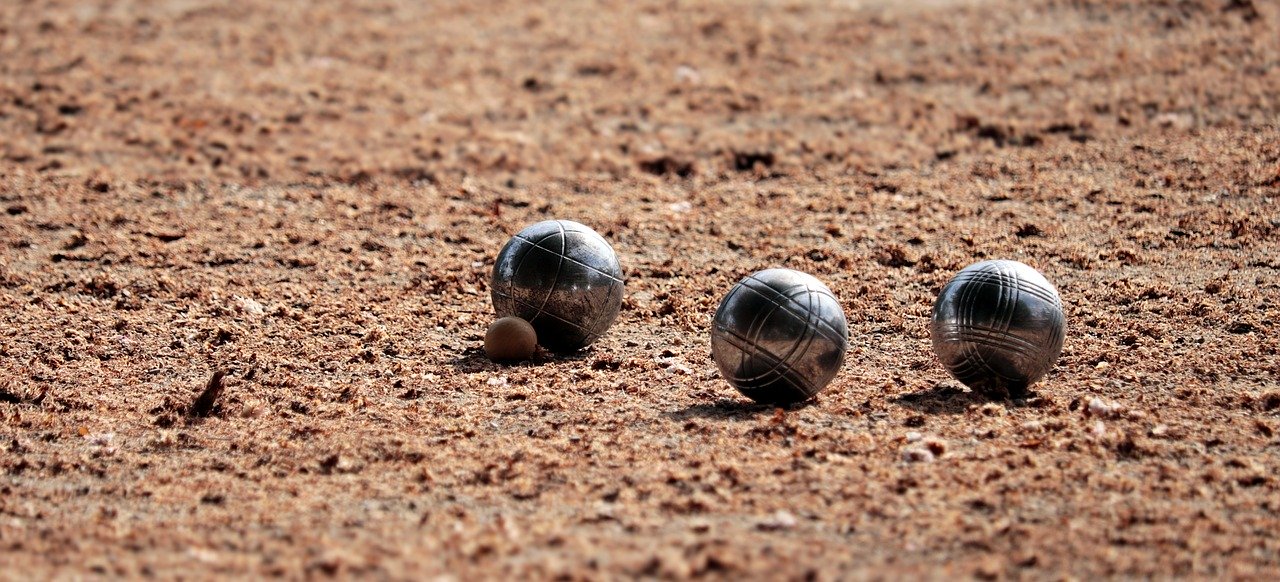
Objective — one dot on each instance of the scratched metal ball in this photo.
(998, 327)
(779, 336)
(562, 278)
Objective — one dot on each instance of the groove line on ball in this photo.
(551, 289)
(966, 313)
(771, 297)
(997, 277)
(825, 323)
(997, 342)
(973, 366)
(812, 316)
(785, 360)
(757, 328)
(520, 265)
(956, 333)
(988, 277)
(808, 335)
(569, 259)
(751, 350)
(1009, 297)
(553, 316)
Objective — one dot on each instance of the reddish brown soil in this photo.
(310, 199)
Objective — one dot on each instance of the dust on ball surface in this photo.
(510, 339)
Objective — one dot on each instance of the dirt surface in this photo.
(309, 201)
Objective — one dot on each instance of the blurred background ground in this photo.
(309, 196)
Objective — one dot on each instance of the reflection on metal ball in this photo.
(998, 327)
(779, 336)
(561, 277)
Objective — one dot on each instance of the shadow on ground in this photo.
(943, 398)
(949, 398)
(473, 360)
(730, 409)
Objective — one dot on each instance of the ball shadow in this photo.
(943, 398)
(472, 360)
(947, 398)
(730, 409)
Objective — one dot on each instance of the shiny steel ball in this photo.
(562, 278)
(998, 327)
(779, 336)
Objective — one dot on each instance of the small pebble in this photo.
(249, 306)
(935, 445)
(780, 520)
(1101, 408)
(917, 454)
(688, 75)
(674, 366)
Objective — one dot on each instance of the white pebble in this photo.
(674, 366)
(680, 369)
(249, 305)
(101, 439)
(687, 74)
(781, 519)
(917, 454)
(1101, 408)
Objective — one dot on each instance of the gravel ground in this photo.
(294, 213)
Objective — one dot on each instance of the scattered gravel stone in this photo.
(249, 306)
(917, 454)
(780, 520)
(1100, 408)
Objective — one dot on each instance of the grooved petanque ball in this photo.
(779, 336)
(561, 277)
(998, 327)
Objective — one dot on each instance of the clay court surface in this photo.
(308, 197)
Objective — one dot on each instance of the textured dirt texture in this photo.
(245, 249)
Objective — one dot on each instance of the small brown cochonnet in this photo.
(510, 339)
